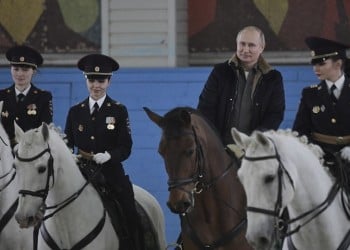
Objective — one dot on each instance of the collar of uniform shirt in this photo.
(338, 83)
(25, 92)
(99, 102)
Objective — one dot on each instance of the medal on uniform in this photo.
(80, 128)
(110, 121)
(316, 109)
(31, 109)
(5, 114)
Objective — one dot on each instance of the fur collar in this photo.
(262, 65)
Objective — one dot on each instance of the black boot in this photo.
(133, 222)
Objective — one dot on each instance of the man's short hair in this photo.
(254, 28)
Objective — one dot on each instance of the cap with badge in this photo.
(22, 55)
(322, 49)
(97, 65)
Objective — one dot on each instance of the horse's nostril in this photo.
(263, 241)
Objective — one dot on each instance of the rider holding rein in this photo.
(23, 102)
(324, 111)
(99, 128)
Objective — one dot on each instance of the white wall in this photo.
(145, 33)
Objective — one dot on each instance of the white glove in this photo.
(345, 153)
(76, 157)
(101, 158)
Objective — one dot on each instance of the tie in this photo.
(20, 97)
(333, 97)
(95, 110)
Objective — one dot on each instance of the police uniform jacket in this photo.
(316, 113)
(30, 113)
(108, 131)
(218, 96)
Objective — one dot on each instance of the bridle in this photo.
(202, 185)
(280, 222)
(198, 177)
(42, 193)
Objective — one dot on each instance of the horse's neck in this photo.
(311, 189)
(67, 179)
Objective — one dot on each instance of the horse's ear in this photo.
(45, 131)
(263, 139)
(153, 116)
(185, 116)
(242, 140)
(18, 132)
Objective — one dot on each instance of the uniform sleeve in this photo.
(274, 114)
(69, 131)
(208, 99)
(302, 122)
(47, 109)
(122, 150)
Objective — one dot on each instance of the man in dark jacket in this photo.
(244, 92)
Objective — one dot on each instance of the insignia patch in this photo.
(110, 121)
(128, 125)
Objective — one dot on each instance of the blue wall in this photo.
(160, 89)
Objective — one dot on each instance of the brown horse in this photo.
(203, 184)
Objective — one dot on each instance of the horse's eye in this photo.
(189, 152)
(269, 178)
(41, 169)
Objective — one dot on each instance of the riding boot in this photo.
(133, 223)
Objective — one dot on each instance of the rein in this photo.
(43, 194)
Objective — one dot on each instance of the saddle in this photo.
(91, 172)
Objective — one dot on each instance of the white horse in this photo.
(280, 170)
(74, 211)
(12, 237)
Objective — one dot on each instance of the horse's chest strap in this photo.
(226, 238)
(82, 243)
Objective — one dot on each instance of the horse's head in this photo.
(180, 148)
(34, 166)
(267, 183)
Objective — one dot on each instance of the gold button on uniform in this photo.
(92, 137)
(333, 120)
(17, 118)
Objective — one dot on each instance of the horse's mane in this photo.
(315, 149)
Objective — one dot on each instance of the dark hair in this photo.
(98, 77)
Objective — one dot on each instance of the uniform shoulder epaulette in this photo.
(116, 103)
(313, 86)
